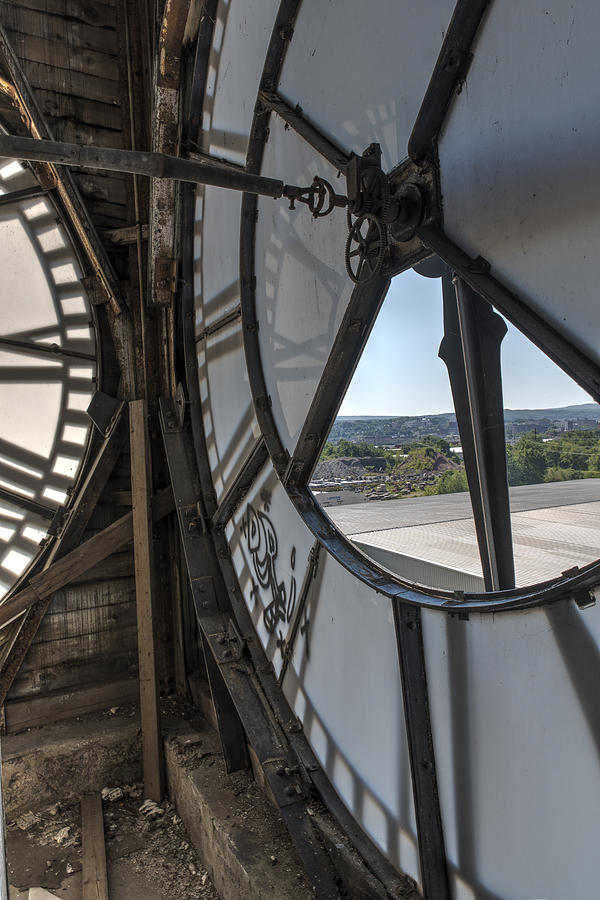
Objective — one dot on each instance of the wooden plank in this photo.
(31, 712)
(118, 566)
(141, 487)
(44, 659)
(71, 83)
(93, 628)
(105, 188)
(81, 559)
(76, 597)
(91, 12)
(90, 112)
(61, 30)
(56, 56)
(127, 235)
(75, 132)
(94, 878)
(76, 672)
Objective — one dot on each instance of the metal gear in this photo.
(365, 248)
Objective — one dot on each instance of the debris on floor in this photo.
(149, 853)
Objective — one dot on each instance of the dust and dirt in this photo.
(149, 853)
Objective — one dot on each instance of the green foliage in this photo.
(529, 460)
(436, 443)
(555, 473)
(451, 482)
(347, 448)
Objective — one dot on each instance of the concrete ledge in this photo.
(63, 761)
(239, 836)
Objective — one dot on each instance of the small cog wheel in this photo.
(365, 248)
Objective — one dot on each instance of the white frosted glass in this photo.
(360, 70)
(518, 160)
(514, 713)
(25, 299)
(302, 288)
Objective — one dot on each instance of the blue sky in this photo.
(400, 372)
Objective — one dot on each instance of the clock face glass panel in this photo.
(48, 369)
(274, 303)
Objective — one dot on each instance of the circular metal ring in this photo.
(322, 193)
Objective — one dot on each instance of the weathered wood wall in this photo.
(88, 636)
(87, 64)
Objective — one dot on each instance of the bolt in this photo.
(227, 654)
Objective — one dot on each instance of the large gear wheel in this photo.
(365, 248)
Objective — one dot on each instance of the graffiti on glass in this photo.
(261, 537)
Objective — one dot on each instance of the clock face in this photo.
(502, 161)
(48, 365)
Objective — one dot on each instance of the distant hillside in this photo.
(581, 410)
(393, 430)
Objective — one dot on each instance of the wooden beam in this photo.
(126, 235)
(141, 488)
(47, 709)
(78, 561)
(165, 139)
(94, 878)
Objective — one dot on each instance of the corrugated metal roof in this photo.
(550, 534)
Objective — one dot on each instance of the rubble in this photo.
(148, 850)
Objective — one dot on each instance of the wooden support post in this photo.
(94, 878)
(141, 493)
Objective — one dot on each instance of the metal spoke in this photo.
(27, 193)
(415, 697)
(294, 117)
(232, 316)
(348, 346)
(470, 349)
(241, 485)
(451, 68)
(33, 506)
(476, 273)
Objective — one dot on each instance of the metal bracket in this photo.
(104, 412)
(284, 782)
(227, 644)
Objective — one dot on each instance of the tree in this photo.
(528, 454)
(450, 483)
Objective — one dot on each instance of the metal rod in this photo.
(44, 349)
(12, 497)
(137, 162)
(225, 320)
(296, 120)
(25, 194)
(451, 67)
(417, 718)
